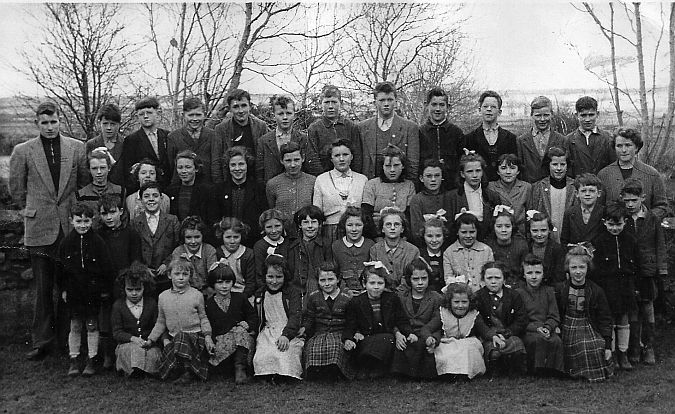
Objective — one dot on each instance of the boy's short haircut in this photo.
(532, 260)
(192, 223)
(149, 185)
(510, 159)
(109, 202)
(311, 211)
(111, 112)
(237, 95)
(417, 264)
(555, 152)
(47, 108)
(221, 273)
(392, 151)
(586, 103)
(540, 102)
(331, 267)
(97, 154)
(282, 102)
(231, 223)
(587, 179)
(192, 103)
(494, 265)
(147, 102)
(82, 209)
(431, 163)
(384, 87)
(331, 91)
(181, 263)
(288, 148)
(615, 211)
(628, 133)
(632, 186)
(490, 94)
(436, 91)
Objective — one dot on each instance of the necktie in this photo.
(152, 136)
(152, 223)
(330, 302)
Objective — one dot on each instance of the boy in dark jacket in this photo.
(86, 281)
(646, 227)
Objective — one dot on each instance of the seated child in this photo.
(272, 224)
(453, 333)
(583, 220)
(240, 258)
(375, 323)
(419, 305)
(543, 345)
(615, 261)
(466, 256)
(232, 320)
(202, 255)
(279, 305)
(586, 327)
(133, 318)
(182, 315)
(324, 320)
(393, 251)
(504, 315)
(86, 281)
(508, 246)
(543, 245)
(352, 250)
(307, 252)
(434, 232)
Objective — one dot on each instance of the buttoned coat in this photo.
(156, 248)
(589, 158)
(506, 144)
(268, 158)
(136, 147)
(45, 210)
(403, 133)
(181, 140)
(429, 304)
(533, 168)
(223, 141)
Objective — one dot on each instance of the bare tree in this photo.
(81, 57)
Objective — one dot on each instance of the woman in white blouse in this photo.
(338, 188)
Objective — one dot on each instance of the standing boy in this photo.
(440, 139)
(149, 141)
(583, 221)
(386, 128)
(533, 144)
(590, 147)
(490, 140)
(332, 127)
(109, 118)
(268, 158)
(193, 136)
(241, 128)
(44, 173)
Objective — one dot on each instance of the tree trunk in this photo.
(238, 66)
(179, 67)
(671, 84)
(644, 110)
(615, 82)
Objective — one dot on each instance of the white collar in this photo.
(198, 254)
(274, 243)
(338, 174)
(333, 296)
(433, 254)
(135, 305)
(350, 244)
(469, 189)
(148, 215)
(237, 254)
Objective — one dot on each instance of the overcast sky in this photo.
(517, 45)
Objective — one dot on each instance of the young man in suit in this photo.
(193, 136)
(590, 147)
(109, 118)
(388, 128)
(533, 144)
(239, 129)
(44, 174)
(490, 140)
(149, 141)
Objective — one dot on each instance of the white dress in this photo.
(268, 360)
(457, 353)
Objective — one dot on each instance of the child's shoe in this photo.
(648, 356)
(240, 375)
(90, 368)
(74, 369)
(624, 363)
(634, 355)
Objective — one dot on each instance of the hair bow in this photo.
(377, 265)
(530, 213)
(274, 254)
(455, 279)
(440, 214)
(106, 151)
(501, 208)
(468, 151)
(271, 250)
(463, 211)
(218, 263)
(586, 246)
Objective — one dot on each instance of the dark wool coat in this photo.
(428, 306)
(247, 266)
(268, 158)
(181, 140)
(615, 267)
(240, 309)
(456, 199)
(319, 318)
(136, 147)
(443, 142)
(506, 144)
(513, 315)
(575, 231)
(224, 132)
(533, 168)
(360, 316)
(254, 201)
(125, 325)
(589, 158)
(595, 307)
(323, 132)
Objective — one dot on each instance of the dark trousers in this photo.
(43, 262)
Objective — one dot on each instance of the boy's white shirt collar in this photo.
(135, 305)
(333, 296)
(384, 124)
(350, 244)
(641, 214)
(147, 215)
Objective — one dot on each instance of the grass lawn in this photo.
(44, 387)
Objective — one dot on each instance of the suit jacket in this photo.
(533, 168)
(268, 159)
(456, 199)
(589, 158)
(222, 141)
(506, 144)
(125, 325)
(254, 200)
(203, 202)
(359, 315)
(402, 133)
(323, 132)
(575, 231)
(155, 248)
(136, 147)
(513, 315)
(180, 140)
(45, 210)
(430, 302)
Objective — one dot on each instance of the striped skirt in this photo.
(326, 349)
(186, 351)
(584, 350)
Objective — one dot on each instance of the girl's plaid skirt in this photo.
(326, 349)
(584, 350)
(186, 351)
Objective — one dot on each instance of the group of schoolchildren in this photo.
(458, 283)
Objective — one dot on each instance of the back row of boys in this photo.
(589, 147)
